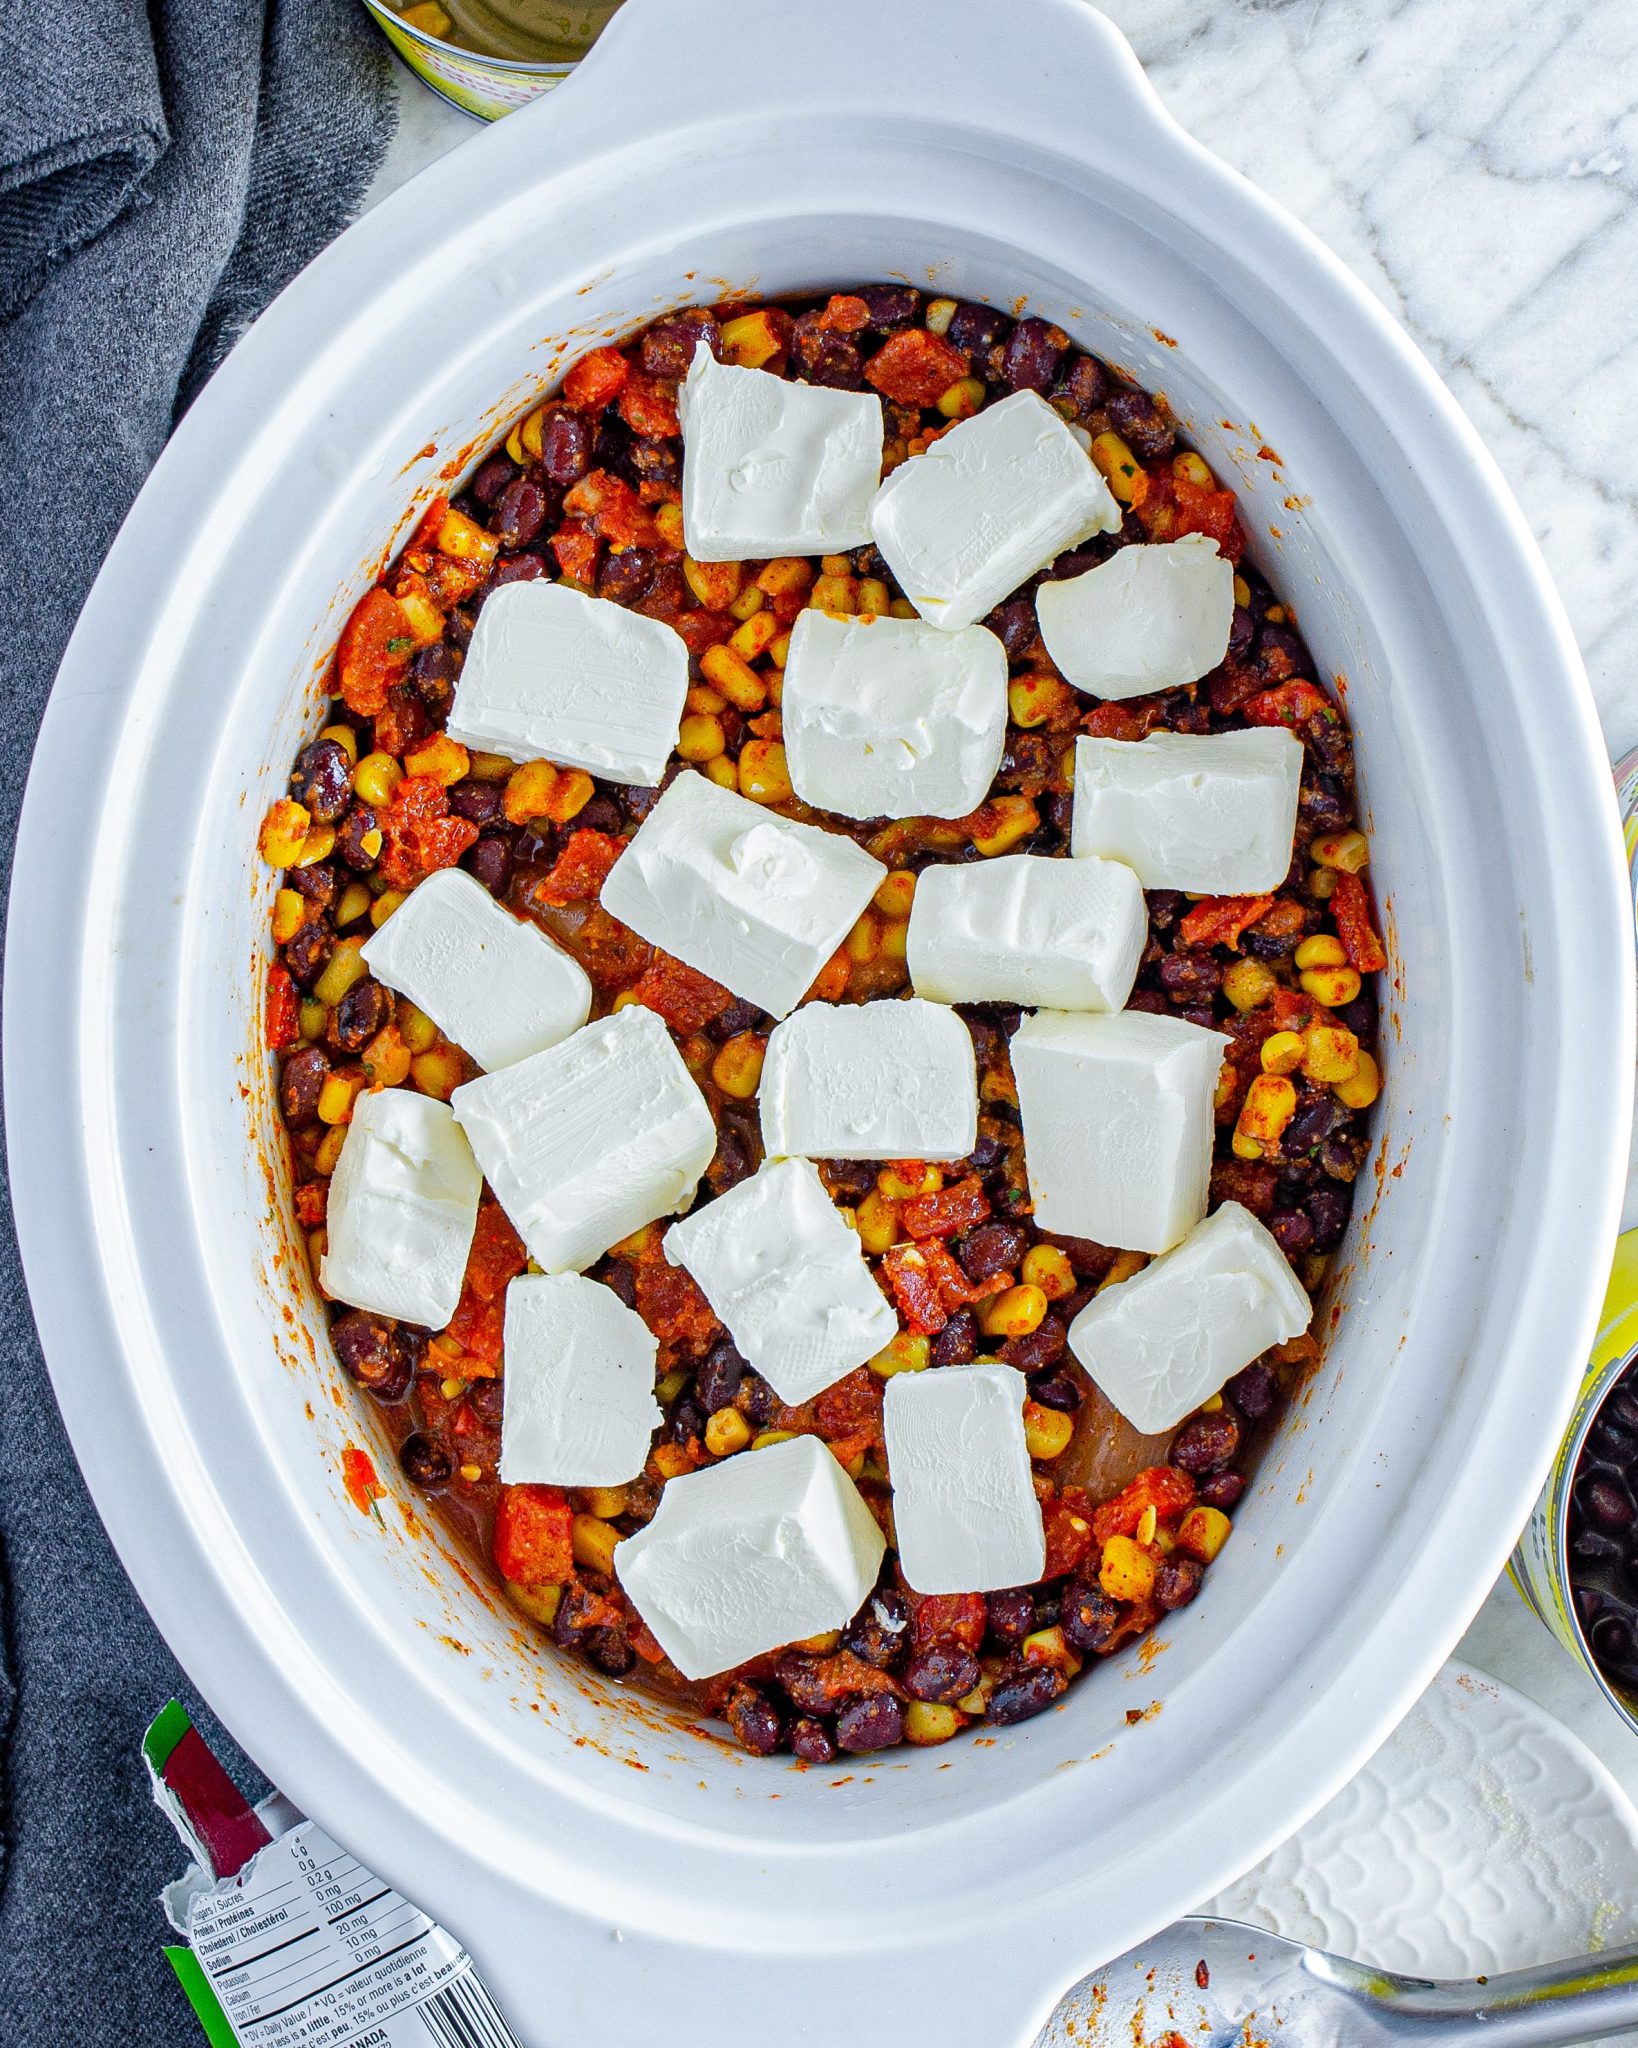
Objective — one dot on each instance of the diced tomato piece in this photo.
(479, 1325)
(612, 509)
(534, 1535)
(947, 1618)
(845, 313)
(1067, 1517)
(1161, 1487)
(283, 1011)
(576, 548)
(914, 367)
(851, 1408)
(376, 647)
(1200, 509)
(647, 407)
(497, 1253)
(1246, 1181)
(1291, 704)
(927, 1284)
(948, 1212)
(832, 979)
(1232, 686)
(364, 1489)
(402, 722)
(1351, 907)
(1294, 1010)
(419, 836)
(670, 1302)
(312, 1202)
(685, 998)
(702, 630)
(1121, 721)
(819, 1684)
(1220, 920)
(643, 1640)
(424, 540)
(596, 379)
(581, 869)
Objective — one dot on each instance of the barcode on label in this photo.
(463, 2015)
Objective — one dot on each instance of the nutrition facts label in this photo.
(308, 1950)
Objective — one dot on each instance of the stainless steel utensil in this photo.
(1213, 1983)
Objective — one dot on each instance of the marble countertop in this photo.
(1476, 163)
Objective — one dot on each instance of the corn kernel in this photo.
(438, 1073)
(874, 598)
(528, 791)
(668, 521)
(540, 1603)
(1203, 1532)
(907, 1352)
(319, 844)
(1126, 1571)
(737, 1068)
(489, 767)
(317, 1240)
(1047, 1268)
(1242, 593)
(763, 774)
(1016, 818)
(344, 967)
(902, 608)
(749, 602)
(1120, 467)
(895, 940)
(700, 737)
(376, 779)
(284, 832)
(754, 638)
(345, 738)
(896, 895)
(764, 1438)
(419, 1032)
(593, 1544)
(729, 672)
(727, 1432)
(289, 915)
(1322, 883)
(1282, 1052)
(836, 565)
(876, 1219)
(314, 1017)
(715, 584)
(1332, 1054)
(701, 697)
(1322, 950)
(1126, 1267)
(671, 1461)
(938, 315)
(1047, 1431)
(835, 594)
(751, 340)
(722, 771)
(1269, 1104)
(336, 1096)
(1348, 851)
(778, 653)
(570, 794)
(963, 398)
(1192, 469)
(666, 1390)
(442, 759)
(1148, 1521)
(821, 1645)
(1331, 986)
(698, 1053)
(640, 1245)
(605, 1502)
(387, 1058)
(786, 573)
(1248, 983)
(1034, 698)
(863, 942)
(898, 1185)
(1050, 1646)
(1362, 1086)
(1013, 1313)
(328, 1156)
(384, 905)
(926, 1724)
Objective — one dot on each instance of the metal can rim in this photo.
(541, 68)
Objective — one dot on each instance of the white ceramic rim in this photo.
(77, 1224)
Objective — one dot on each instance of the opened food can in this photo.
(490, 57)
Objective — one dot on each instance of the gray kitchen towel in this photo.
(165, 169)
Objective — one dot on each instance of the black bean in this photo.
(1041, 1348)
(480, 803)
(1033, 352)
(1221, 1489)
(1606, 1504)
(992, 1248)
(880, 1630)
(491, 479)
(364, 1010)
(355, 829)
(754, 1720)
(1058, 1390)
(625, 577)
(1359, 1016)
(1081, 387)
(1013, 624)
(656, 461)
(490, 859)
(942, 1675)
(300, 1079)
(1135, 416)
(974, 328)
(426, 1462)
(1190, 977)
(1622, 1407)
(323, 780)
(316, 883)
(488, 1401)
(1328, 1208)
(826, 358)
(1087, 1615)
(957, 1342)
(520, 514)
(668, 346)
(686, 1421)
(566, 446)
(1011, 1614)
(1280, 654)
(1588, 1546)
(367, 1346)
(757, 1400)
(609, 1649)
(876, 1722)
(306, 954)
(1292, 1231)
(1315, 1117)
(1177, 1582)
(1165, 906)
(1206, 1443)
(1254, 1391)
(739, 1016)
(810, 1741)
(1030, 1692)
(620, 1277)
(890, 305)
(1613, 1642)
(717, 1378)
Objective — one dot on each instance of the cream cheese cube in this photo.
(577, 680)
(991, 502)
(1164, 1341)
(1212, 813)
(1052, 934)
(403, 1203)
(764, 1549)
(751, 899)
(890, 718)
(881, 1080)
(964, 1506)
(787, 1278)
(592, 1138)
(1148, 619)
(772, 467)
(579, 1406)
(492, 982)
(1117, 1115)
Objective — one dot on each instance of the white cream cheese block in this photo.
(891, 718)
(880, 1080)
(754, 900)
(553, 674)
(1212, 813)
(592, 1138)
(1053, 934)
(991, 502)
(492, 982)
(1117, 1115)
(1164, 1341)
(787, 1277)
(403, 1203)
(1148, 619)
(964, 1508)
(579, 1386)
(765, 1549)
(772, 467)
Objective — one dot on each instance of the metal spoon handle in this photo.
(1581, 1999)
